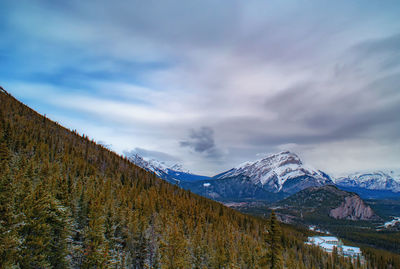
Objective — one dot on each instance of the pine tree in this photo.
(45, 231)
(174, 249)
(4, 155)
(95, 245)
(8, 223)
(335, 255)
(274, 255)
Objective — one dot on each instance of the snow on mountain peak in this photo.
(172, 173)
(179, 168)
(155, 165)
(377, 180)
(275, 170)
(275, 160)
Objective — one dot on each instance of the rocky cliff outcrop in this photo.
(317, 203)
(353, 208)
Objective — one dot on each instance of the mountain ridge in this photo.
(276, 172)
(375, 180)
(172, 173)
(268, 179)
(275, 176)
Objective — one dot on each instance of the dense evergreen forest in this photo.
(381, 248)
(66, 202)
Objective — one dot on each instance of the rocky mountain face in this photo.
(231, 189)
(269, 179)
(327, 201)
(282, 172)
(353, 208)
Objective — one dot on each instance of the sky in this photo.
(211, 84)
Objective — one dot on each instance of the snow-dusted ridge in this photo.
(378, 180)
(171, 173)
(282, 172)
(275, 170)
(159, 168)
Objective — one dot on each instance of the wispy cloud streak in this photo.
(261, 76)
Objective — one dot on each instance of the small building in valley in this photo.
(329, 243)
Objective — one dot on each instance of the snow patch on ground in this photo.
(392, 222)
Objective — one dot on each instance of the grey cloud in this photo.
(202, 141)
(288, 103)
(390, 44)
(170, 21)
(367, 112)
(369, 57)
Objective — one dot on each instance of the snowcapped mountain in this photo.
(158, 168)
(173, 174)
(378, 181)
(269, 179)
(279, 172)
(272, 178)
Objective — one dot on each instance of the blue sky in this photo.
(211, 84)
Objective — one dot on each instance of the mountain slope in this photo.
(282, 172)
(268, 179)
(371, 185)
(173, 174)
(160, 169)
(230, 189)
(326, 201)
(67, 202)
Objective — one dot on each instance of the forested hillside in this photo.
(66, 202)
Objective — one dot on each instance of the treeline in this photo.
(378, 239)
(381, 259)
(66, 202)
(379, 247)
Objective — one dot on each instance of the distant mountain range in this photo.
(270, 179)
(174, 174)
(371, 185)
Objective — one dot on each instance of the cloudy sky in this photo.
(211, 84)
